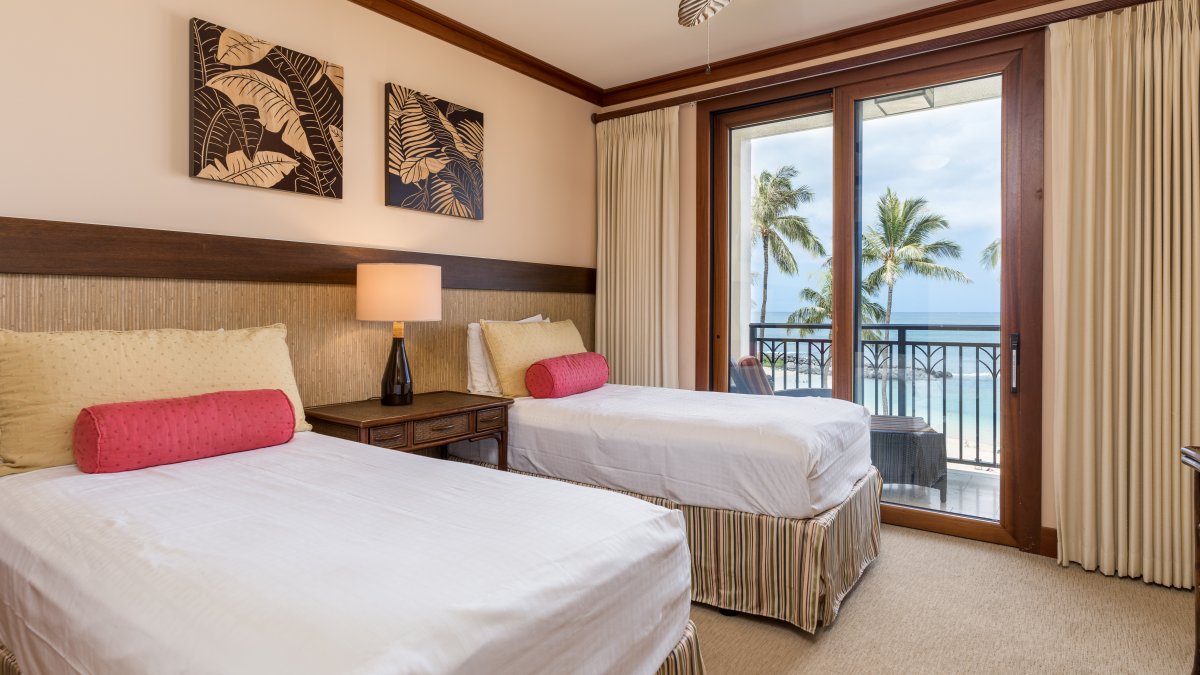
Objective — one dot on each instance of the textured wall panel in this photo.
(337, 358)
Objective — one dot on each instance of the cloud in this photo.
(951, 156)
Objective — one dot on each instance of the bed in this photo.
(779, 495)
(323, 555)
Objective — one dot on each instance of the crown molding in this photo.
(461, 35)
(938, 17)
(1033, 22)
(921, 22)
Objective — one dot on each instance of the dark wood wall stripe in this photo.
(79, 249)
(444, 28)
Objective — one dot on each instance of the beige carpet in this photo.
(938, 604)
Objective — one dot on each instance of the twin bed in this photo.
(779, 495)
(322, 556)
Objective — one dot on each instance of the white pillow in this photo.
(481, 375)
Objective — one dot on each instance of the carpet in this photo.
(939, 604)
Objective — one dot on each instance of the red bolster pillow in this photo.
(125, 436)
(566, 375)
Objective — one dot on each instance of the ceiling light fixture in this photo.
(696, 12)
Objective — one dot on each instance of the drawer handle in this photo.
(443, 427)
(389, 437)
(489, 416)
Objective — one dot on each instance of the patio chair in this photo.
(748, 376)
(907, 450)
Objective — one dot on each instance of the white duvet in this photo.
(324, 556)
(775, 455)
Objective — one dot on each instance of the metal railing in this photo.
(953, 384)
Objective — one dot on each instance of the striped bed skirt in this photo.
(8, 662)
(796, 570)
(683, 660)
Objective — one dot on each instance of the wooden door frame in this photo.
(724, 123)
(1020, 58)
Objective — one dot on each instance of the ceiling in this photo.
(621, 41)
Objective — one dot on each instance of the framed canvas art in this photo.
(263, 115)
(434, 154)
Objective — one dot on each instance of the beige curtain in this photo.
(1125, 272)
(637, 201)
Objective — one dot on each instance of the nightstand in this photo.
(434, 419)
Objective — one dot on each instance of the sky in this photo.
(951, 156)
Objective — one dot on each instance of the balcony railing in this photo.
(903, 369)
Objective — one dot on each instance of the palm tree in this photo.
(771, 226)
(898, 243)
(818, 307)
(990, 257)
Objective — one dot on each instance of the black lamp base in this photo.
(397, 378)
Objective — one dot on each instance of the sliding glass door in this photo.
(928, 345)
(879, 241)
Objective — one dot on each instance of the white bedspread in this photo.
(775, 455)
(324, 556)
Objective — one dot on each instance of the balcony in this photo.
(946, 375)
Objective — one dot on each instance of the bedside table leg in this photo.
(502, 444)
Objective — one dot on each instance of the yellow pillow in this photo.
(47, 378)
(516, 346)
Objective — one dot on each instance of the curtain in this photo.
(637, 276)
(1125, 271)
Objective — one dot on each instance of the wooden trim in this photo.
(845, 243)
(461, 35)
(718, 302)
(1048, 546)
(920, 22)
(946, 523)
(935, 44)
(78, 249)
(704, 257)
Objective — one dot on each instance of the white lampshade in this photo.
(399, 292)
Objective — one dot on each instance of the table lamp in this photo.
(398, 292)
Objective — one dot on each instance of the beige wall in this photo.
(95, 109)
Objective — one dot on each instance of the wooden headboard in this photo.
(72, 276)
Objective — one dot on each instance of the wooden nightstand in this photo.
(433, 420)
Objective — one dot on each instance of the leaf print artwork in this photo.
(263, 115)
(336, 135)
(266, 169)
(239, 49)
(277, 109)
(434, 154)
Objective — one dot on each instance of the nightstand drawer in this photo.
(391, 436)
(489, 419)
(441, 427)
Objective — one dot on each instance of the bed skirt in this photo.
(8, 662)
(683, 660)
(796, 570)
